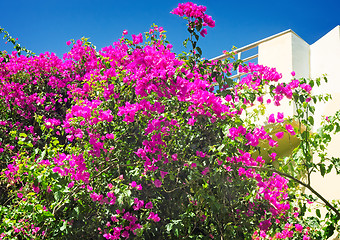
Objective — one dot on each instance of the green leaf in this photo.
(199, 27)
(318, 82)
(42, 156)
(322, 169)
(220, 148)
(329, 230)
(302, 99)
(169, 227)
(47, 214)
(199, 50)
(57, 195)
(317, 211)
(196, 36)
(23, 135)
(63, 227)
(219, 80)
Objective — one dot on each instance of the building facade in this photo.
(288, 52)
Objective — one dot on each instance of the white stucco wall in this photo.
(289, 53)
(325, 59)
(286, 53)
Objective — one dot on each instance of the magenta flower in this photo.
(52, 122)
(205, 171)
(280, 117)
(70, 185)
(136, 39)
(290, 129)
(157, 183)
(306, 87)
(272, 143)
(200, 154)
(163, 174)
(110, 195)
(298, 227)
(149, 205)
(209, 21)
(204, 32)
(192, 10)
(271, 118)
(110, 136)
(192, 121)
(133, 184)
(154, 216)
(174, 157)
(273, 156)
(36, 189)
(279, 135)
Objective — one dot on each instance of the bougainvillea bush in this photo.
(134, 141)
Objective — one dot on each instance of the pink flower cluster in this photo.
(192, 10)
(286, 233)
(121, 231)
(74, 166)
(85, 98)
(259, 75)
(196, 13)
(52, 122)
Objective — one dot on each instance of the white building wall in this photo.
(300, 57)
(277, 53)
(325, 59)
(286, 53)
(289, 53)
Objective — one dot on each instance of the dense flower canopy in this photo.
(134, 140)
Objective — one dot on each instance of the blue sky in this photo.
(46, 25)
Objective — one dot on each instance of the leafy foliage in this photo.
(136, 141)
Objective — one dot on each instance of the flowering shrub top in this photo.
(133, 140)
(196, 16)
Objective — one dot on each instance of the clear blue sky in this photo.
(46, 25)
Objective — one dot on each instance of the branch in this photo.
(115, 165)
(308, 186)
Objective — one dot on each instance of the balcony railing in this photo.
(241, 50)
